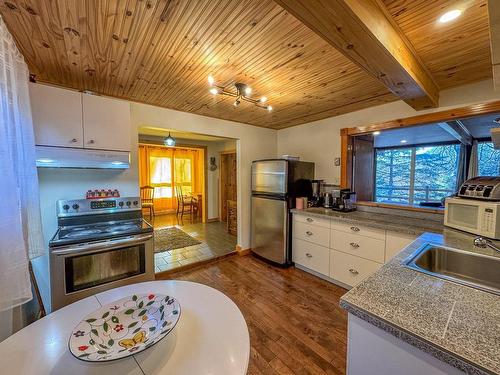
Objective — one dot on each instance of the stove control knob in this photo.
(129, 203)
(66, 207)
(75, 206)
(120, 204)
(136, 203)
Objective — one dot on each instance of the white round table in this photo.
(210, 338)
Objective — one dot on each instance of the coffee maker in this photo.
(317, 199)
(345, 202)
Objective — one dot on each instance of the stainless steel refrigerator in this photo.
(275, 185)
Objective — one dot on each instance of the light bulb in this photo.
(236, 103)
(263, 99)
(213, 91)
(403, 141)
(450, 16)
(211, 80)
(269, 108)
(376, 133)
(248, 90)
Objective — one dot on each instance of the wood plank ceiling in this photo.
(161, 52)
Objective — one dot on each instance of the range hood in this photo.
(62, 157)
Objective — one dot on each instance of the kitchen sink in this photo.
(464, 267)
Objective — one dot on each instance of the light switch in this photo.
(336, 162)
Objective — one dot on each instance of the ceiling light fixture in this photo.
(404, 141)
(169, 141)
(241, 92)
(450, 16)
(376, 132)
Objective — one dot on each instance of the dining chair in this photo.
(185, 204)
(147, 199)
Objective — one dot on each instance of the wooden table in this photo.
(210, 338)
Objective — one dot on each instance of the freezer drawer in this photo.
(270, 176)
(269, 229)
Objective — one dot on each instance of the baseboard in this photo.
(242, 252)
(213, 220)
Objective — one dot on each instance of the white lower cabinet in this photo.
(350, 269)
(343, 252)
(312, 256)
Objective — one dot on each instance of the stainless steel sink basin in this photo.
(464, 267)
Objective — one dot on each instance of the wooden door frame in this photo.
(225, 152)
(204, 217)
(347, 136)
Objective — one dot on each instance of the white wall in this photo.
(319, 141)
(252, 143)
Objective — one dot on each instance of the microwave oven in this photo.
(474, 216)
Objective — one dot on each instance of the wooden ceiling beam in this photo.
(366, 34)
(494, 16)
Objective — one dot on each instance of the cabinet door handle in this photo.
(309, 233)
(355, 229)
(91, 141)
(309, 255)
(354, 244)
(74, 140)
(353, 271)
(309, 220)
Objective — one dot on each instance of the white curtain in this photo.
(20, 224)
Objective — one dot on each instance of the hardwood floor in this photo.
(296, 325)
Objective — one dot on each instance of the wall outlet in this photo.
(336, 162)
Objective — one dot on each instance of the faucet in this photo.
(483, 242)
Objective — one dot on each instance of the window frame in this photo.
(413, 157)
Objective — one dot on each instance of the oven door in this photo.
(78, 271)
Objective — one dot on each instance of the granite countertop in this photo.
(456, 324)
(395, 223)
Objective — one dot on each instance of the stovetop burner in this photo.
(97, 231)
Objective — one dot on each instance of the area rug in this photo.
(172, 238)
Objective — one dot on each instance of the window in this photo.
(161, 176)
(488, 159)
(412, 175)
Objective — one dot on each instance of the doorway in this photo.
(228, 190)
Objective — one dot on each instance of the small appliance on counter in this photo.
(316, 199)
(345, 202)
(477, 208)
(100, 244)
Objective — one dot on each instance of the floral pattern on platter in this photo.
(124, 327)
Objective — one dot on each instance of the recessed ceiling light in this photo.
(403, 141)
(450, 16)
(376, 133)
(213, 91)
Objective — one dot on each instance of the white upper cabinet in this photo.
(66, 118)
(106, 123)
(57, 116)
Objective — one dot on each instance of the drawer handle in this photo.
(74, 140)
(309, 233)
(353, 271)
(309, 255)
(354, 244)
(310, 220)
(91, 141)
(355, 229)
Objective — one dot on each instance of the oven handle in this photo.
(103, 245)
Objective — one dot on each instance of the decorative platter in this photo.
(124, 327)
